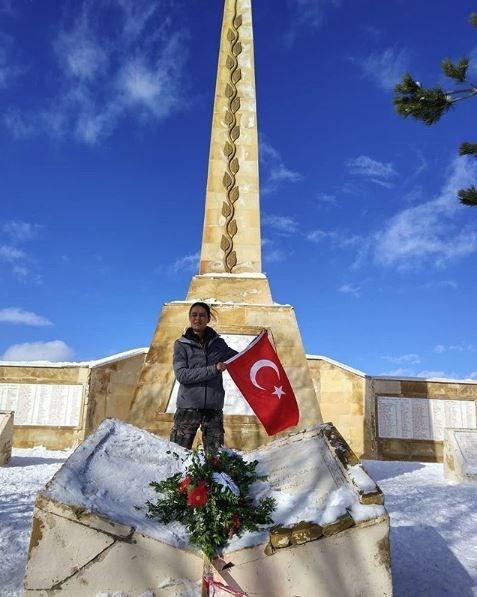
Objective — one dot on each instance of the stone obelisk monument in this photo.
(230, 271)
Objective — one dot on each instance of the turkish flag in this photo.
(259, 375)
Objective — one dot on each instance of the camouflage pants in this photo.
(187, 422)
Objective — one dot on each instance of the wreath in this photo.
(211, 499)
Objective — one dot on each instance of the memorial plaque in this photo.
(422, 418)
(51, 405)
(234, 402)
(467, 443)
(304, 468)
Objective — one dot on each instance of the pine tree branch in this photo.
(468, 149)
(472, 90)
(468, 196)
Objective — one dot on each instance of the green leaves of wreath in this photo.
(211, 499)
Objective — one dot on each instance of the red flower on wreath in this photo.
(184, 484)
(197, 497)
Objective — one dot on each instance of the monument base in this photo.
(242, 307)
(90, 533)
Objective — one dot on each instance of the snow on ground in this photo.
(433, 523)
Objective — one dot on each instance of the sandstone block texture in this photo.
(90, 532)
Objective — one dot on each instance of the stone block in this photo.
(306, 531)
(102, 543)
(6, 436)
(460, 454)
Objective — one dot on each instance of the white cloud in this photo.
(9, 254)
(461, 347)
(282, 224)
(319, 235)
(337, 239)
(188, 263)
(381, 173)
(274, 171)
(20, 231)
(425, 373)
(350, 289)
(386, 68)
(17, 315)
(410, 358)
(310, 13)
(432, 373)
(430, 233)
(326, 198)
(133, 68)
(18, 124)
(447, 284)
(8, 70)
(414, 195)
(271, 253)
(55, 350)
(18, 261)
(79, 54)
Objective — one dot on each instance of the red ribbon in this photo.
(211, 583)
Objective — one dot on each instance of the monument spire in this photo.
(231, 235)
(230, 275)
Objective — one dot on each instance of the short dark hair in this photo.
(204, 306)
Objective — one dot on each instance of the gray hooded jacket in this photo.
(195, 369)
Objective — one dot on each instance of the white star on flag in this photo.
(278, 391)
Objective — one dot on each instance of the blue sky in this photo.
(105, 111)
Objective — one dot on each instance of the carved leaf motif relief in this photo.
(231, 261)
(232, 228)
(236, 76)
(227, 180)
(230, 150)
(226, 209)
(225, 243)
(235, 105)
(234, 195)
(235, 133)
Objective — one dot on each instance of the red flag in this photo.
(259, 375)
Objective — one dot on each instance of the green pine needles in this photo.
(211, 499)
(429, 104)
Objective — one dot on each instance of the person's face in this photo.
(198, 319)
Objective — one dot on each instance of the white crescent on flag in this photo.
(255, 368)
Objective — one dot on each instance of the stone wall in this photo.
(54, 438)
(351, 400)
(108, 387)
(341, 391)
(111, 389)
(348, 398)
(433, 392)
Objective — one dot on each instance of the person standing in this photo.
(198, 362)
